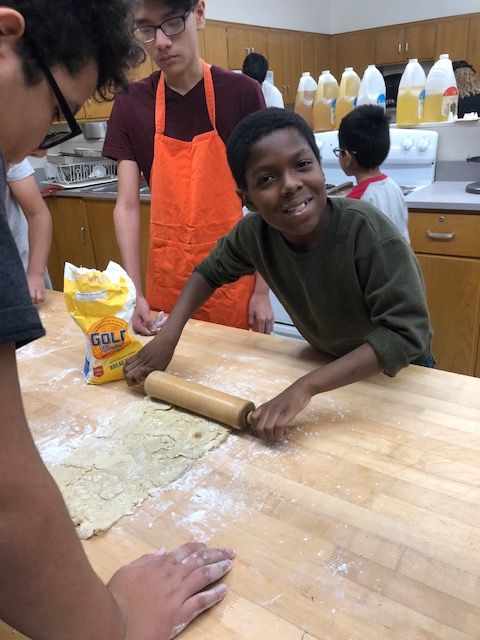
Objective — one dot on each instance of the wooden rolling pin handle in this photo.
(197, 398)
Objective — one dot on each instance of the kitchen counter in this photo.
(444, 196)
(365, 524)
(107, 191)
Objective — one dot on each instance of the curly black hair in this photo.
(366, 132)
(174, 5)
(74, 32)
(256, 126)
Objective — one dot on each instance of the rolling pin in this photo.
(197, 398)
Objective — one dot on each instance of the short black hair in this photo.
(366, 132)
(256, 126)
(74, 33)
(256, 66)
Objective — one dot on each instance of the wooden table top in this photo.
(365, 525)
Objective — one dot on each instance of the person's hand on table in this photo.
(158, 595)
(272, 419)
(36, 287)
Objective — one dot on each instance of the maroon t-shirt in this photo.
(131, 127)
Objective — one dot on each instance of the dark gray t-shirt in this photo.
(19, 319)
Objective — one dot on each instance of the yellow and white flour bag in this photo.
(102, 304)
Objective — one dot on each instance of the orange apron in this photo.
(193, 204)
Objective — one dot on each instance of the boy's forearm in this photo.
(127, 232)
(47, 587)
(357, 365)
(39, 242)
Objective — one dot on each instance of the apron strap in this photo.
(160, 111)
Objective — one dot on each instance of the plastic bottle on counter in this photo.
(325, 102)
(411, 94)
(305, 98)
(441, 92)
(372, 88)
(347, 94)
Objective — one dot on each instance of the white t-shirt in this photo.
(15, 216)
(385, 194)
(273, 97)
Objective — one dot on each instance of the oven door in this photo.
(283, 323)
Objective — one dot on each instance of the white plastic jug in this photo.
(304, 100)
(325, 102)
(411, 94)
(347, 94)
(441, 92)
(372, 88)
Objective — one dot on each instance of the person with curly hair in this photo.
(54, 54)
(468, 88)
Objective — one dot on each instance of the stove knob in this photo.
(407, 143)
(423, 144)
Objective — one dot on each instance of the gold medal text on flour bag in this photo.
(102, 304)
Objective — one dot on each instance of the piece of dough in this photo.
(104, 475)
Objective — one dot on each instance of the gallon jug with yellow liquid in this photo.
(325, 102)
(347, 94)
(305, 98)
(441, 92)
(411, 95)
(372, 88)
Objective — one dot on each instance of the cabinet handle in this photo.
(83, 235)
(399, 47)
(406, 47)
(433, 235)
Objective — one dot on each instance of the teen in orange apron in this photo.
(193, 204)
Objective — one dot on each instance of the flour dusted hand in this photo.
(172, 584)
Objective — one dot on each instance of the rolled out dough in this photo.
(106, 474)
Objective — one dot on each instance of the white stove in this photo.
(410, 162)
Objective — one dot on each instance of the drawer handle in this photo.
(83, 235)
(433, 235)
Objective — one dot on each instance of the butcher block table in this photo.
(364, 525)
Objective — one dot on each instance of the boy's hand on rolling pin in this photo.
(160, 594)
(155, 356)
(272, 420)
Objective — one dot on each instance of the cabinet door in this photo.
(276, 60)
(389, 46)
(314, 53)
(242, 41)
(292, 65)
(355, 50)
(216, 49)
(143, 70)
(473, 55)
(104, 242)
(96, 109)
(454, 310)
(420, 41)
(71, 234)
(452, 38)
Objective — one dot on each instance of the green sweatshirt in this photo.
(361, 283)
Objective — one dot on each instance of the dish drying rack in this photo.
(82, 174)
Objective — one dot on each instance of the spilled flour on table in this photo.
(104, 475)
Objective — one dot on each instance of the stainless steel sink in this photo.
(111, 189)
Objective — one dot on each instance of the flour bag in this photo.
(102, 304)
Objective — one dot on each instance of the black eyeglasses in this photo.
(55, 137)
(338, 151)
(170, 27)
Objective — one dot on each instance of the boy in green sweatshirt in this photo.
(349, 281)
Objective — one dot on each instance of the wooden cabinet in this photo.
(448, 249)
(284, 60)
(355, 50)
(452, 38)
(397, 45)
(71, 239)
(314, 53)
(215, 43)
(473, 55)
(84, 234)
(242, 41)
